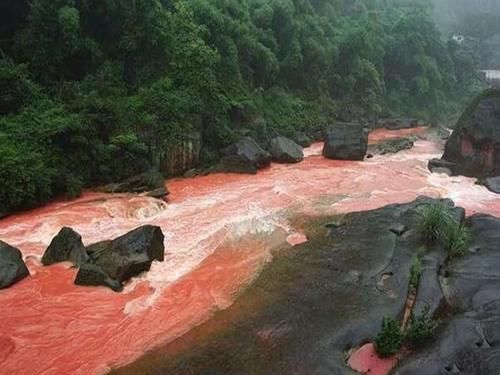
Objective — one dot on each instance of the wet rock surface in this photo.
(284, 150)
(474, 146)
(312, 304)
(469, 342)
(397, 123)
(245, 156)
(116, 261)
(144, 182)
(66, 246)
(493, 184)
(346, 141)
(12, 267)
(391, 146)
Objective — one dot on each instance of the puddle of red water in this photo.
(50, 326)
(366, 361)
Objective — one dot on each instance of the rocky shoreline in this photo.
(317, 301)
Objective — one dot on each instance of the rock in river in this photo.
(12, 267)
(66, 246)
(346, 141)
(284, 150)
(116, 261)
(474, 146)
(245, 156)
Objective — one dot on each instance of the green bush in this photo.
(432, 220)
(436, 224)
(421, 329)
(388, 342)
(456, 238)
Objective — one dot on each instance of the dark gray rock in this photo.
(302, 139)
(429, 294)
(474, 281)
(284, 150)
(398, 229)
(92, 275)
(474, 145)
(245, 156)
(159, 193)
(440, 165)
(397, 123)
(346, 141)
(12, 267)
(392, 146)
(66, 246)
(141, 183)
(124, 257)
(493, 184)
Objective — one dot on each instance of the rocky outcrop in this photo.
(397, 123)
(468, 342)
(313, 303)
(474, 146)
(66, 246)
(391, 146)
(116, 261)
(284, 150)
(245, 156)
(346, 141)
(12, 267)
(180, 155)
(151, 181)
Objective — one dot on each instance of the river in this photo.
(219, 232)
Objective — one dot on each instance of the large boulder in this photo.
(284, 150)
(66, 246)
(141, 183)
(346, 141)
(12, 267)
(245, 156)
(474, 146)
(116, 261)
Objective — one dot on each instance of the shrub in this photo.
(421, 329)
(435, 223)
(431, 221)
(415, 271)
(389, 340)
(455, 238)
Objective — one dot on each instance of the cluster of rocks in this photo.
(473, 149)
(109, 263)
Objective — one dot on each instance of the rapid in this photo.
(219, 229)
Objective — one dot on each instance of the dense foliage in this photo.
(91, 88)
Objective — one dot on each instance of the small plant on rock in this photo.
(431, 221)
(421, 329)
(415, 271)
(456, 239)
(389, 340)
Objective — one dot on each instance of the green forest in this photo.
(88, 88)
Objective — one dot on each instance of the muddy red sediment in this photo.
(50, 326)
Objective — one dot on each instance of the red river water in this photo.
(219, 230)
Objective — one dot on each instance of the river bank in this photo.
(219, 233)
